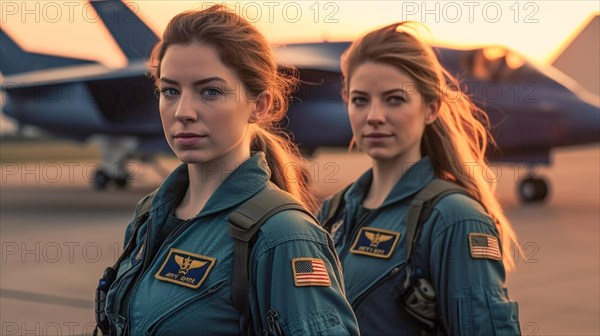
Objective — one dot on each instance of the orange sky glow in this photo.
(537, 29)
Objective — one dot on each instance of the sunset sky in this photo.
(539, 29)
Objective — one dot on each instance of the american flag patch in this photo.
(310, 272)
(484, 246)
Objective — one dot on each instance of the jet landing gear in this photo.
(102, 178)
(114, 168)
(533, 189)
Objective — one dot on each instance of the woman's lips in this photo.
(186, 139)
(376, 136)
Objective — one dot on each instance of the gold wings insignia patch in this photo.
(187, 264)
(185, 268)
(377, 238)
(375, 242)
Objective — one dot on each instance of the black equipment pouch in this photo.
(102, 322)
(417, 296)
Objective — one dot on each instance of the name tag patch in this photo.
(185, 268)
(375, 242)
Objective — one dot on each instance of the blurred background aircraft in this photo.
(532, 108)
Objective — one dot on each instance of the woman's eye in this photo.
(211, 92)
(396, 100)
(168, 92)
(359, 101)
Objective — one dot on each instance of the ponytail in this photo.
(289, 170)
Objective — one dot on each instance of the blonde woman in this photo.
(407, 115)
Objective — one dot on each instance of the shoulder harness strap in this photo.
(422, 206)
(244, 223)
(417, 295)
(335, 204)
(141, 214)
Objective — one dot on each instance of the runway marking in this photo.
(46, 298)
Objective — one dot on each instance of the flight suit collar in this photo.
(417, 175)
(245, 181)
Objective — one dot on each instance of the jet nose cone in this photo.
(584, 123)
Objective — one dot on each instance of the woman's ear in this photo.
(431, 112)
(345, 96)
(261, 106)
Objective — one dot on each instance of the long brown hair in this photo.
(245, 50)
(459, 136)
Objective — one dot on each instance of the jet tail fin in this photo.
(133, 36)
(13, 59)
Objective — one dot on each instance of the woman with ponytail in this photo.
(221, 95)
(410, 117)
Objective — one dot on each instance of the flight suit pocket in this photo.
(462, 317)
(321, 322)
(505, 317)
(334, 331)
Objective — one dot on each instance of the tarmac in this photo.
(58, 234)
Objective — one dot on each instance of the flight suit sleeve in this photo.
(469, 278)
(299, 285)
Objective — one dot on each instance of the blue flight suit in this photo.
(186, 287)
(471, 294)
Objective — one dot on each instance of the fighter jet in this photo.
(532, 109)
(84, 100)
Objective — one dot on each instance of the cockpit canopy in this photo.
(494, 63)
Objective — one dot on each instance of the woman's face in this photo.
(387, 113)
(203, 107)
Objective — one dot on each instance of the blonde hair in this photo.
(245, 50)
(458, 136)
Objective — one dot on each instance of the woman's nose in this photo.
(186, 111)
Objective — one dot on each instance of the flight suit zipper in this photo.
(137, 280)
(146, 264)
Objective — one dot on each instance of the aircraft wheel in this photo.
(101, 180)
(533, 190)
(122, 182)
